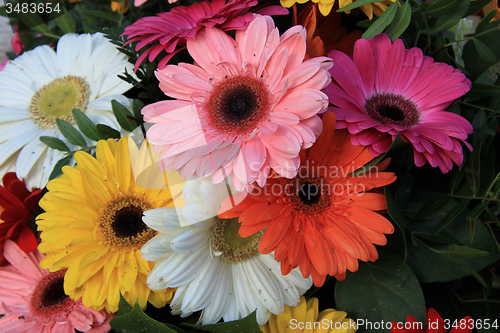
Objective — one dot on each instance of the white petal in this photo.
(190, 239)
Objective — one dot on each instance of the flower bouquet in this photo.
(250, 166)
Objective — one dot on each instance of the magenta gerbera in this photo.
(33, 299)
(386, 89)
(248, 106)
(167, 31)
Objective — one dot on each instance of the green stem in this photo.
(48, 34)
(122, 11)
(478, 107)
(465, 39)
(426, 28)
(472, 197)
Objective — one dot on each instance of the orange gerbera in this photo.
(324, 219)
(326, 33)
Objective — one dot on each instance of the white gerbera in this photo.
(214, 269)
(42, 85)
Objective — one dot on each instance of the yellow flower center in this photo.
(57, 99)
(227, 240)
(121, 226)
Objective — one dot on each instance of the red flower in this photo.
(167, 31)
(17, 207)
(435, 324)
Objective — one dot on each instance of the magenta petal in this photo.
(365, 62)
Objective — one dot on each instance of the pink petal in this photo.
(252, 44)
(24, 262)
(303, 103)
(283, 143)
(255, 153)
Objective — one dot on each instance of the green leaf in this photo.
(107, 132)
(3, 11)
(59, 165)
(66, 23)
(54, 143)
(31, 20)
(137, 106)
(456, 178)
(136, 321)
(451, 215)
(430, 207)
(442, 7)
(357, 4)
(245, 325)
(486, 19)
(477, 276)
(483, 90)
(384, 290)
(451, 18)
(70, 133)
(463, 252)
(99, 14)
(124, 307)
(382, 22)
(473, 169)
(401, 21)
(484, 52)
(86, 125)
(398, 217)
(475, 6)
(123, 116)
(478, 210)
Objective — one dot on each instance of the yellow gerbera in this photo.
(325, 6)
(92, 226)
(305, 318)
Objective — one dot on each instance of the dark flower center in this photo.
(128, 222)
(238, 104)
(392, 109)
(309, 193)
(54, 293)
(121, 223)
(49, 301)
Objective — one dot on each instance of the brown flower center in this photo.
(392, 109)
(121, 223)
(227, 240)
(238, 104)
(308, 195)
(57, 99)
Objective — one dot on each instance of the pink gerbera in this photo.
(166, 31)
(386, 89)
(249, 105)
(33, 299)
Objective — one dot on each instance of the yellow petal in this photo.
(113, 291)
(325, 9)
(92, 256)
(127, 275)
(160, 297)
(89, 163)
(122, 166)
(97, 290)
(287, 3)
